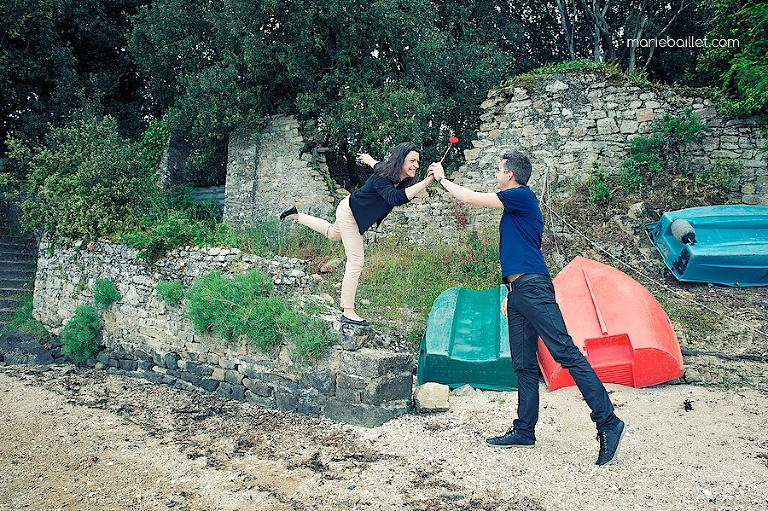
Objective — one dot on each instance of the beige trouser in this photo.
(345, 229)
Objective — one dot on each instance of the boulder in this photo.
(18, 348)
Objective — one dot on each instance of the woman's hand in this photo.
(366, 159)
(436, 170)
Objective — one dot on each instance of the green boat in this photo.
(467, 341)
(725, 245)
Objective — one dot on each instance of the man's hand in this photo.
(504, 307)
(436, 170)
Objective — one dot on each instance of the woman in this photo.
(391, 184)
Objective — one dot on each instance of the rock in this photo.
(17, 348)
(636, 210)
(352, 337)
(556, 86)
(331, 266)
(431, 397)
(464, 390)
(692, 375)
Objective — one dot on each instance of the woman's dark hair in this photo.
(392, 168)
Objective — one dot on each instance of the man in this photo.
(531, 309)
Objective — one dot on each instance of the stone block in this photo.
(311, 403)
(351, 381)
(556, 86)
(129, 365)
(607, 126)
(644, 114)
(233, 377)
(224, 389)
(195, 368)
(389, 389)
(431, 397)
(370, 363)
(285, 400)
(349, 395)
(171, 360)
(629, 127)
(208, 384)
(365, 415)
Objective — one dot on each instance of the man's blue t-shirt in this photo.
(520, 231)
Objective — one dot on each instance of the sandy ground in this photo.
(86, 440)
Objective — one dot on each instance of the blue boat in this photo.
(725, 245)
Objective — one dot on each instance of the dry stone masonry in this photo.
(356, 382)
(567, 122)
(269, 171)
(564, 122)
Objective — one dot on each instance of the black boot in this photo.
(290, 211)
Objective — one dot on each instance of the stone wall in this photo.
(564, 122)
(171, 170)
(269, 171)
(357, 381)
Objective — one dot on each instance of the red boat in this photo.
(618, 325)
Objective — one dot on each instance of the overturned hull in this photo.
(617, 323)
(725, 245)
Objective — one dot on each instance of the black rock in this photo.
(18, 348)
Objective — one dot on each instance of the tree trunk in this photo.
(642, 19)
(565, 21)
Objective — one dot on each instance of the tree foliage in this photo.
(84, 181)
(62, 61)
(742, 69)
(371, 73)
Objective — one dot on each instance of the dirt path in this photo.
(85, 440)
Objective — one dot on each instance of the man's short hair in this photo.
(519, 164)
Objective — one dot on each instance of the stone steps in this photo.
(18, 260)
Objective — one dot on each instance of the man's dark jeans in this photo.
(532, 312)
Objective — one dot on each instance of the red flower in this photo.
(452, 140)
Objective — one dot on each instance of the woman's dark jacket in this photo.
(374, 200)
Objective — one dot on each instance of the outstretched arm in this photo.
(366, 159)
(413, 190)
(462, 193)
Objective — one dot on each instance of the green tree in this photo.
(85, 181)
(63, 60)
(372, 73)
(742, 68)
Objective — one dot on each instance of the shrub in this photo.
(650, 156)
(79, 339)
(85, 181)
(105, 293)
(310, 335)
(722, 174)
(170, 291)
(645, 154)
(681, 130)
(245, 308)
(599, 191)
(630, 178)
(175, 220)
